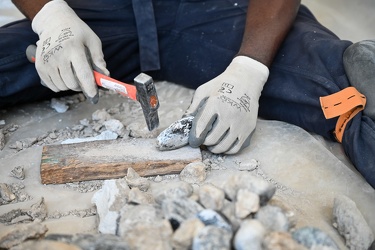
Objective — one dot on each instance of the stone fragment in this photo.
(38, 210)
(18, 145)
(136, 196)
(79, 127)
(81, 97)
(85, 122)
(247, 202)
(45, 245)
(20, 233)
(2, 139)
(143, 227)
(248, 165)
(211, 237)
(17, 189)
(105, 135)
(176, 135)
(228, 211)
(194, 172)
(273, 218)
(134, 180)
(280, 241)
(89, 132)
(52, 135)
(287, 210)
(8, 217)
(114, 126)
(351, 224)
(100, 115)
(6, 194)
(177, 189)
(211, 217)
(12, 128)
(250, 235)
(109, 200)
(59, 106)
(211, 197)
(18, 172)
(158, 178)
(180, 209)
(245, 180)
(26, 143)
(184, 235)
(313, 237)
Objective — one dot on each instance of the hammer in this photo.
(144, 90)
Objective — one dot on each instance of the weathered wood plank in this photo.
(111, 159)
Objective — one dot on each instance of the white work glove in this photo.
(67, 50)
(226, 108)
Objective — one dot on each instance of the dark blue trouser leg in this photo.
(16, 72)
(309, 65)
(200, 41)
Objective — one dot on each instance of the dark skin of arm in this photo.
(30, 8)
(268, 22)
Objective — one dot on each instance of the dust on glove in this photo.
(67, 50)
(226, 108)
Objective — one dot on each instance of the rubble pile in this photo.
(105, 124)
(184, 211)
(189, 213)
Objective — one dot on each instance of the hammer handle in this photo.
(100, 79)
(120, 87)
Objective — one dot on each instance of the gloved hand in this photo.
(67, 50)
(226, 108)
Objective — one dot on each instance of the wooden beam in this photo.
(111, 159)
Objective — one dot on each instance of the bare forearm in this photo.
(30, 7)
(267, 24)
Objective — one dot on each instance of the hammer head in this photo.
(147, 97)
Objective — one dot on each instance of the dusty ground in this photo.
(307, 170)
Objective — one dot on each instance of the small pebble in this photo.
(312, 237)
(18, 172)
(59, 106)
(158, 178)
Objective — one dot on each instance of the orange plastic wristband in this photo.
(346, 104)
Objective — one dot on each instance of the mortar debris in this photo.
(85, 186)
(37, 211)
(81, 213)
(185, 219)
(110, 119)
(18, 173)
(213, 161)
(13, 193)
(10, 128)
